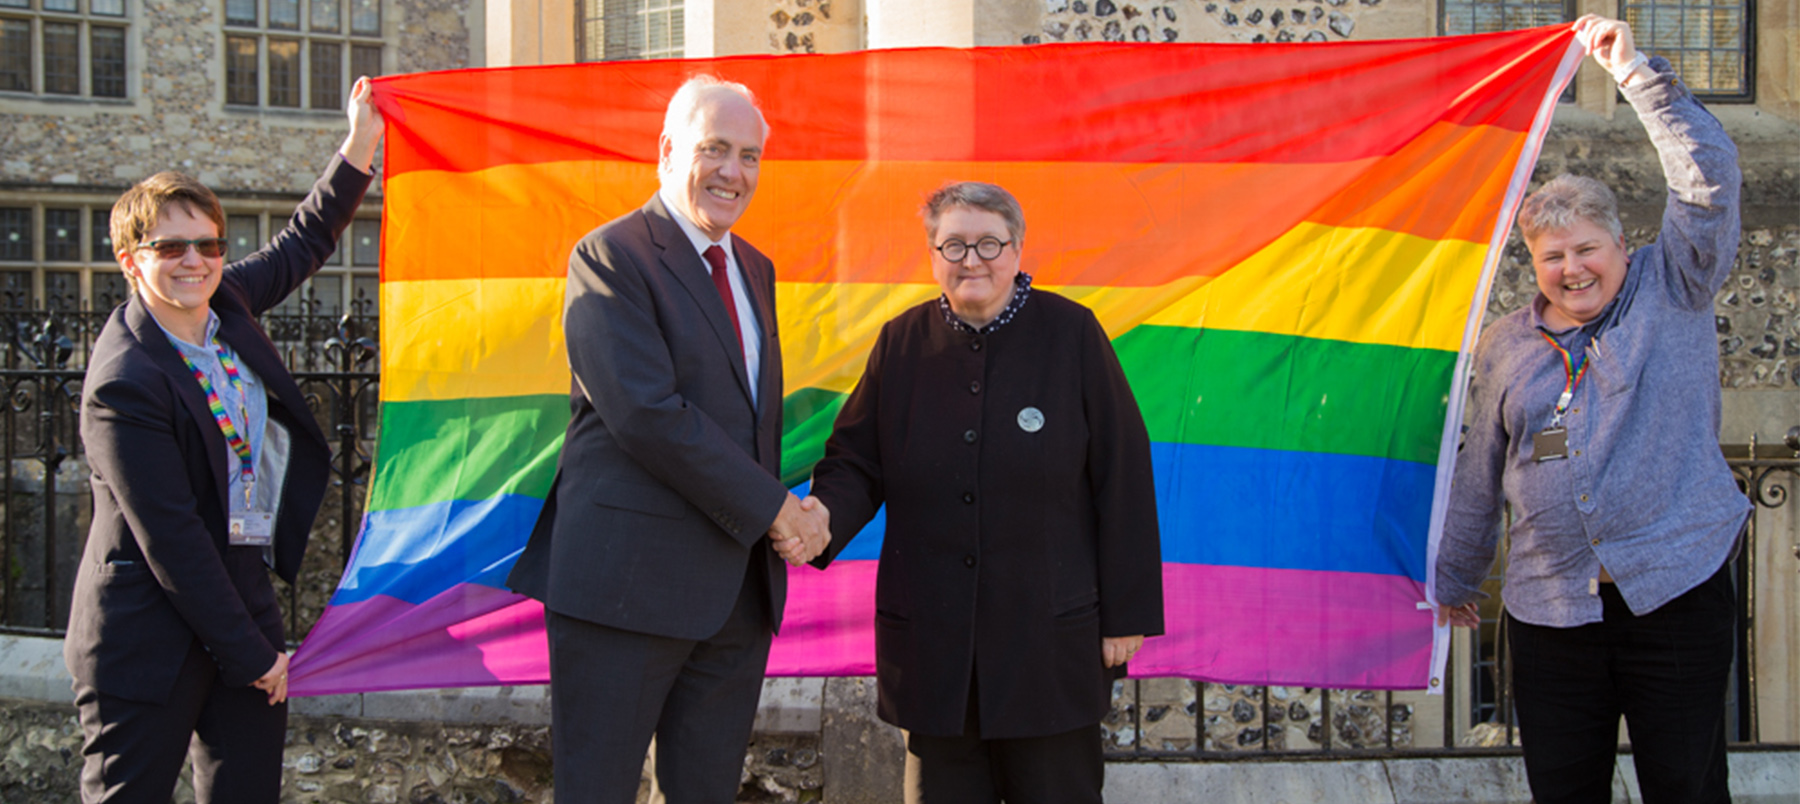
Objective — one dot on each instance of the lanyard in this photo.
(1572, 372)
(232, 438)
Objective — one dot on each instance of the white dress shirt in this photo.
(739, 291)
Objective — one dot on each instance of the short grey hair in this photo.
(1566, 198)
(975, 195)
(697, 90)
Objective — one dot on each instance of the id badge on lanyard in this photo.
(1552, 443)
(246, 528)
(252, 529)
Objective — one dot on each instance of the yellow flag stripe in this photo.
(477, 338)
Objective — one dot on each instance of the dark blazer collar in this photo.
(154, 342)
(250, 345)
(681, 260)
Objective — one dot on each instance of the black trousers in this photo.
(1666, 672)
(610, 690)
(1066, 768)
(132, 751)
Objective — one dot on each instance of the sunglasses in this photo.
(171, 249)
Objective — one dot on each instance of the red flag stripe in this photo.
(1114, 103)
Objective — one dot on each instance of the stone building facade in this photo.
(247, 95)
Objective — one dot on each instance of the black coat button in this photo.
(969, 497)
(968, 436)
(975, 387)
(969, 560)
(975, 345)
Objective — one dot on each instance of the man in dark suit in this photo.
(207, 469)
(658, 555)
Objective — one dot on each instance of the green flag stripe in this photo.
(1194, 386)
(1240, 389)
(1281, 392)
(467, 449)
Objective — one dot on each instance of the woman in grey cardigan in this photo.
(1595, 412)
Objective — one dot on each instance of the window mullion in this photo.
(40, 57)
(303, 63)
(38, 249)
(83, 54)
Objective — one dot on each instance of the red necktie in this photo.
(715, 257)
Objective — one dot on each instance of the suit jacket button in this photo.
(968, 436)
(969, 560)
(975, 387)
(969, 497)
(975, 345)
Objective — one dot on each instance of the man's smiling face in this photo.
(1579, 269)
(710, 166)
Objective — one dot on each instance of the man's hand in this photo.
(1610, 42)
(1465, 616)
(1119, 650)
(274, 682)
(801, 531)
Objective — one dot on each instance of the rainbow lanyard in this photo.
(236, 441)
(1570, 370)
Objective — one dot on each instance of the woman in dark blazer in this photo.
(1021, 565)
(207, 469)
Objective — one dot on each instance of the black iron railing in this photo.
(44, 494)
(1172, 719)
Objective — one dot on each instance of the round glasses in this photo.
(987, 248)
(174, 249)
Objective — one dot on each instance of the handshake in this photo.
(801, 531)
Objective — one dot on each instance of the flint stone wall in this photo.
(1224, 20)
(356, 760)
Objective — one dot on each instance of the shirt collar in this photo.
(1021, 290)
(205, 345)
(1539, 302)
(698, 238)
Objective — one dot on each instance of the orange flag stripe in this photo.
(1111, 224)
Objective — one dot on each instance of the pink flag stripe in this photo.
(1244, 625)
(1230, 625)
(469, 635)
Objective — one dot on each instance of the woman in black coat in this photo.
(207, 470)
(1021, 566)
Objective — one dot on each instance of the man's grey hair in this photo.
(1565, 199)
(975, 195)
(685, 105)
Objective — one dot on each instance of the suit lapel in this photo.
(680, 259)
(153, 340)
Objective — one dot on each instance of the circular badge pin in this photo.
(1031, 420)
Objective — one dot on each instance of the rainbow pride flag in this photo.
(1288, 243)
